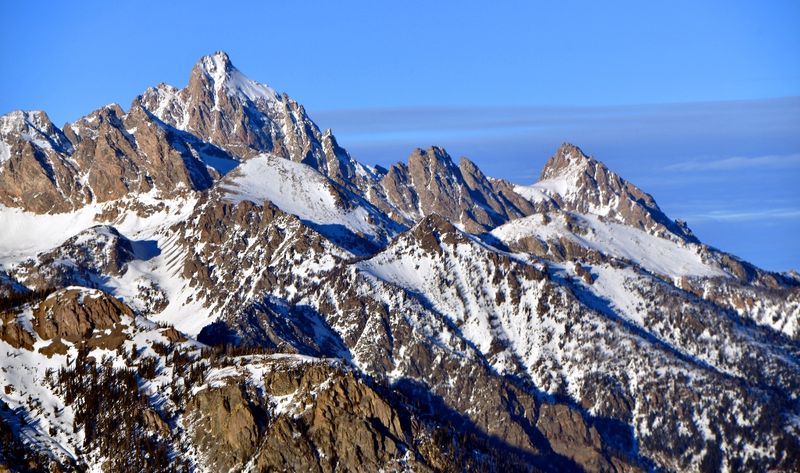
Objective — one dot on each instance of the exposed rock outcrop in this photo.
(36, 172)
(224, 107)
(432, 184)
(74, 314)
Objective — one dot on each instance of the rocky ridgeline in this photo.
(221, 273)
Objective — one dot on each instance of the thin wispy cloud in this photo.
(746, 216)
(526, 135)
(678, 119)
(737, 163)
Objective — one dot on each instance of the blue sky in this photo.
(696, 102)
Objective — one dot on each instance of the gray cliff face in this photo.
(242, 294)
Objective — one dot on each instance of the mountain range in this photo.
(209, 282)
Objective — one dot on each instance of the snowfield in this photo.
(657, 255)
(300, 190)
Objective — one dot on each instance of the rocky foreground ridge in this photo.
(209, 282)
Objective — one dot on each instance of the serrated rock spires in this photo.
(222, 106)
(431, 183)
(105, 156)
(35, 172)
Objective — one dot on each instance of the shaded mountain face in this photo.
(247, 296)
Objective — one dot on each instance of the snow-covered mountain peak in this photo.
(567, 174)
(18, 119)
(224, 107)
(33, 126)
(568, 160)
(223, 75)
(578, 183)
(218, 62)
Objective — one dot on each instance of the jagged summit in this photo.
(32, 126)
(216, 63)
(567, 159)
(576, 182)
(218, 70)
(222, 106)
(18, 119)
(431, 183)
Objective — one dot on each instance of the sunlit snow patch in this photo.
(300, 190)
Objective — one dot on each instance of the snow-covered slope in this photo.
(551, 325)
(26, 233)
(40, 250)
(658, 255)
(301, 190)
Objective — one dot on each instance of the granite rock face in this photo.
(224, 107)
(431, 183)
(315, 417)
(103, 157)
(37, 175)
(74, 314)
